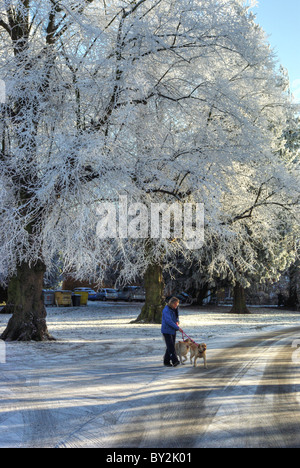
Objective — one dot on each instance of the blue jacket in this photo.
(169, 319)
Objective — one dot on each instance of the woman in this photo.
(169, 327)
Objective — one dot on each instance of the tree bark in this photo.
(201, 294)
(154, 304)
(239, 301)
(25, 302)
(294, 276)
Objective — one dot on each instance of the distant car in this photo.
(107, 294)
(183, 297)
(138, 294)
(91, 292)
(125, 293)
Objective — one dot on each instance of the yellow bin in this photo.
(63, 298)
(84, 297)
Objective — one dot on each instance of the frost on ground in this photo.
(83, 389)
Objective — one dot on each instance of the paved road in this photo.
(249, 396)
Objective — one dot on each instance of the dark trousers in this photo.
(170, 354)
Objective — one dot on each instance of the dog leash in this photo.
(183, 333)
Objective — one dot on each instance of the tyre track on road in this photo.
(221, 407)
(248, 398)
(46, 413)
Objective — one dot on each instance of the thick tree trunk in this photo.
(294, 277)
(25, 302)
(239, 300)
(154, 304)
(202, 294)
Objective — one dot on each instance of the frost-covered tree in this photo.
(261, 223)
(252, 195)
(154, 99)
